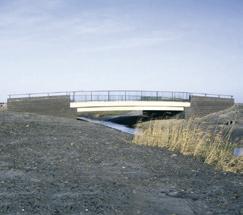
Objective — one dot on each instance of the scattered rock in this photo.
(173, 193)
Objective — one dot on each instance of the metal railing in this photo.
(121, 95)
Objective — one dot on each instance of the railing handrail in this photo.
(212, 95)
(142, 93)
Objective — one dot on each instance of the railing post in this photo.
(91, 96)
(125, 95)
(157, 95)
(73, 95)
(108, 95)
(141, 95)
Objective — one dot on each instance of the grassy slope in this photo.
(209, 138)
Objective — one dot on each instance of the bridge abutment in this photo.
(204, 105)
(46, 105)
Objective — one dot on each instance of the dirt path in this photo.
(56, 166)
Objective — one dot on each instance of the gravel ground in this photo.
(51, 165)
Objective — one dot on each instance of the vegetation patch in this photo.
(212, 144)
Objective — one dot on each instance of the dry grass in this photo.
(190, 137)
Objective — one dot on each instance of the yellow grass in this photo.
(190, 137)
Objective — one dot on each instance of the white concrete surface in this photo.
(129, 106)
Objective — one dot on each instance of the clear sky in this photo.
(183, 45)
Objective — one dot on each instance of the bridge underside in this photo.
(130, 106)
(164, 114)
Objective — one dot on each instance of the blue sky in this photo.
(181, 45)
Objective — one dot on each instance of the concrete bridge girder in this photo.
(129, 106)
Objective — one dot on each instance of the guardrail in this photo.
(121, 95)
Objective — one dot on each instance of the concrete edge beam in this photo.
(103, 109)
(129, 104)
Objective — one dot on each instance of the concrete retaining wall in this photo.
(202, 106)
(49, 105)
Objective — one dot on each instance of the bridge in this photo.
(119, 100)
(95, 101)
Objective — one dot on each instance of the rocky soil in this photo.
(51, 165)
